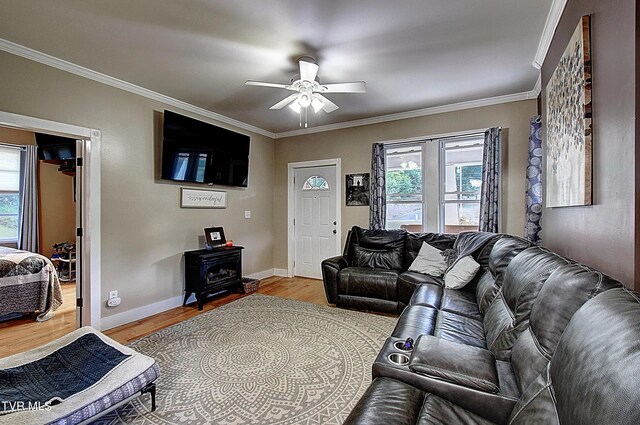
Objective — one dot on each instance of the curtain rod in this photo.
(399, 142)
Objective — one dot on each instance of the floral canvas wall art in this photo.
(569, 124)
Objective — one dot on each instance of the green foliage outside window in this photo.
(468, 178)
(404, 182)
(9, 204)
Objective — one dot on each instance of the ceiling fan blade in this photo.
(308, 71)
(284, 102)
(263, 84)
(353, 87)
(329, 106)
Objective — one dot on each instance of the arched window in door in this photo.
(315, 183)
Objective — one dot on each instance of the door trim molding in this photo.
(90, 248)
(291, 243)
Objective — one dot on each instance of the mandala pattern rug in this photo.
(260, 360)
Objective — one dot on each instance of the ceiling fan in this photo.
(308, 90)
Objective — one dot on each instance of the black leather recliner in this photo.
(372, 272)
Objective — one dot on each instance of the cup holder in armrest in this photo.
(399, 345)
(398, 359)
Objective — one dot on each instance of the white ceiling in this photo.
(413, 54)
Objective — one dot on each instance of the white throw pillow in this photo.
(462, 272)
(429, 261)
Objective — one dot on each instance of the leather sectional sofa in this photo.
(534, 338)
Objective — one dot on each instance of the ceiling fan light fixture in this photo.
(295, 106)
(317, 104)
(304, 99)
(307, 91)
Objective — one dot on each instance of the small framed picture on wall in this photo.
(357, 189)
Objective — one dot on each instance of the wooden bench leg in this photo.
(151, 389)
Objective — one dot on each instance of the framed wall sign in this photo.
(201, 198)
(568, 121)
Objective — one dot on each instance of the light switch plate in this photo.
(247, 214)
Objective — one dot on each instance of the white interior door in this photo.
(315, 225)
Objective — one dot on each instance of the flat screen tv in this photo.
(55, 148)
(197, 152)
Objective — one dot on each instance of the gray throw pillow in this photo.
(462, 272)
(429, 261)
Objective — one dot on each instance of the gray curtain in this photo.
(28, 225)
(533, 214)
(490, 191)
(378, 189)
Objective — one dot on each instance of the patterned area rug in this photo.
(260, 360)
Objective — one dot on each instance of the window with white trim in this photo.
(460, 180)
(404, 177)
(434, 185)
(9, 193)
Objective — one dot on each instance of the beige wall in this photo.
(604, 235)
(353, 146)
(143, 229)
(57, 209)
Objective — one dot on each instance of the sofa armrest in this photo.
(330, 269)
(460, 364)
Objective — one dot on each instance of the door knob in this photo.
(335, 231)
(335, 222)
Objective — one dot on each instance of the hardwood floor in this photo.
(296, 288)
(22, 334)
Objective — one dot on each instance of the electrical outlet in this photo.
(247, 214)
(113, 294)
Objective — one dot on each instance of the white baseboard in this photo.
(280, 272)
(140, 313)
(160, 306)
(268, 273)
(261, 275)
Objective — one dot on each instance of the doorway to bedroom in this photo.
(37, 235)
(45, 262)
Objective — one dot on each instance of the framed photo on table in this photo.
(215, 236)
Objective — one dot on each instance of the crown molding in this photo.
(538, 87)
(43, 58)
(553, 19)
(63, 65)
(413, 114)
